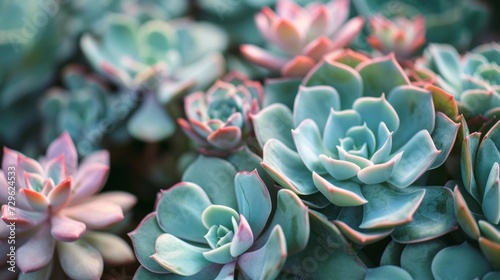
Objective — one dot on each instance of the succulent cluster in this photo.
(271, 139)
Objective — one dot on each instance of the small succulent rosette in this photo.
(83, 108)
(433, 259)
(218, 121)
(159, 59)
(300, 36)
(53, 208)
(455, 22)
(404, 37)
(357, 139)
(473, 79)
(477, 201)
(218, 224)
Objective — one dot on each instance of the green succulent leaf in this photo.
(376, 72)
(349, 221)
(281, 91)
(468, 158)
(315, 103)
(180, 211)
(217, 180)
(443, 136)
(343, 78)
(490, 231)
(387, 271)
(387, 208)
(274, 122)
(491, 199)
(340, 193)
(491, 251)
(417, 258)
(460, 262)
(434, 217)
(214, 215)
(220, 255)
(266, 262)
(392, 254)
(287, 168)
(307, 138)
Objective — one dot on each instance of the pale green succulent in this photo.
(477, 203)
(473, 79)
(219, 224)
(357, 138)
(159, 59)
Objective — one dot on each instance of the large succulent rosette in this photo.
(218, 121)
(473, 79)
(477, 201)
(359, 139)
(301, 35)
(219, 224)
(54, 207)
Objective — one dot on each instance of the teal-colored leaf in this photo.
(386, 272)
(459, 262)
(180, 210)
(381, 75)
(392, 254)
(266, 262)
(144, 239)
(307, 138)
(374, 110)
(178, 256)
(487, 155)
(491, 199)
(434, 217)
(445, 61)
(340, 193)
(315, 103)
(274, 121)
(339, 169)
(491, 250)
(243, 237)
(443, 136)
(417, 258)
(246, 160)
(210, 272)
(337, 125)
(418, 155)
(464, 216)
(217, 180)
(415, 109)
(254, 201)
(281, 91)
(388, 208)
(379, 173)
(467, 160)
(287, 168)
(220, 255)
(490, 231)
(151, 123)
(214, 215)
(349, 221)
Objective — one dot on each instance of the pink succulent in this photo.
(302, 34)
(53, 205)
(402, 36)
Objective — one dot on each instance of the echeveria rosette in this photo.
(355, 146)
(218, 121)
(473, 79)
(79, 109)
(400, 35)
(477, 202)
(57, 208)
(158, 58)
(454, 22)
(209, 229)
(301, 35)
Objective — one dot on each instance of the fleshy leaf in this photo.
(243, 238)
(460, 262)
(274, 122)
(71, 253)
(340, 193)
(464, 216)
(180, 210)
(37, 252)
(315, 103)
(444, 136)
(214, 215)
(417, 258)
(387, 271)
(307, 138)
(178, 256)
(373, 111)
(113, 249)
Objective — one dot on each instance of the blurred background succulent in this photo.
(477, 201)
(404, 37)
(352, 145)
(158, 59)
(456, 22)
(300, 36)
(473, 79)
(219, 121)
(83, 109)
(217, 221)
(56, 209)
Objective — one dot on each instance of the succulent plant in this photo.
(219, 121)
(434, 259)
(454, 22)
(477, 202)
(159, 59)
(471, 78)
(402, 36)
(53, 206)
(301, 35)
(83, 109)
(219, 224)
(358, 139)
